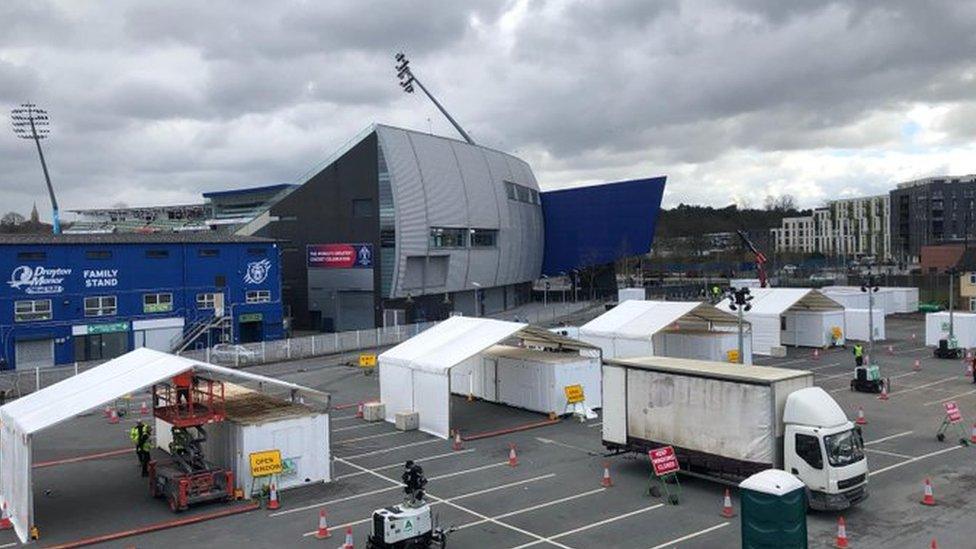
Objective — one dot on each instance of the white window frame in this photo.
(106, 305)
(32, 313)
(207, 300)
(156, 300)
(258, 296)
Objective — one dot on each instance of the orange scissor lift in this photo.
(187, 478)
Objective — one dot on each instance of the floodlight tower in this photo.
(407, 80)
(739, 299)
(30, 122)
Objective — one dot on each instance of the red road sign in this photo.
(663, 460)
(952, 412)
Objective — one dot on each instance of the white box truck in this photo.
(729, 421)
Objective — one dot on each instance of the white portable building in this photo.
(625, 294)
(906, 299)
(801, 317)
(91, 389)
(963, 328)
(679, 329)
(416, 374)
(885, 298)
(858, 324)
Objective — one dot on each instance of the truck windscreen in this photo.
(844, 448)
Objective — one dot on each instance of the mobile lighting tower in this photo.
(30, 122)
(869, 284)
(739, 299)
(408, 79)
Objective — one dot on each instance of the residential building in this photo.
(931, 211)
(852, 228)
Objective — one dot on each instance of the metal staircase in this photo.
(198, 329)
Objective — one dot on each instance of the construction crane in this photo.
(760, 258)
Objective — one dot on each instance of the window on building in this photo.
(523, 193)
(31, 256)
(443, 237)
(362, 207)
(534, 194)
(972, 304)
(98, 254)
(157, 254)
(32, 310)
(510, 190)
(208, 252)
(157, 303)
(484, 238)
(808, 448)
(206, 301)
(100, 305)
(258, 296)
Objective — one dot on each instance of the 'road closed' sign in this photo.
(266, 463)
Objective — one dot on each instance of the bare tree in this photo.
(781, 203)
(12, 219)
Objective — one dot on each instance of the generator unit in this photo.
(402, 527)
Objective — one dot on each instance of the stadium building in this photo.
(68, 298)
(403, 226)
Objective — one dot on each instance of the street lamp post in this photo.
(952, 274)
(870, 285)
(30, 122)
(739, 299)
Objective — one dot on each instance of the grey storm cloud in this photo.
(156, 102)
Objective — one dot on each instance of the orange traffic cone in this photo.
(5, 523)
(917, 366)
(108, 411)
(605, 481)
(323, 530)
(928, 498)
(884, 392)
(727, 505)
(273, 497)
(457, 441)
(841, 534)
(860, 417)
(359, 410)
(144, 409)
(349, 543)
(512, 457)
(113, 416)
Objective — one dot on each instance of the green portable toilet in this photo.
(774, 511)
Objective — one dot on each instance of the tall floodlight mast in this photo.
(31, 122)
(407, 80)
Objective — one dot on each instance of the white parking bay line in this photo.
(691, 536)
(534, 507)
(887, 438)
(422, 461)
(393, 448)
(381, 435)
(331, 501)
(941, 400)
(590, 526)
(925, 386)
(914, 459)
(597, 424)
(885, 453)
(374, 424)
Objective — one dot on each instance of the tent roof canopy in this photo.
(776, 301)
(643, 319)
(459, 338)
(115, 379)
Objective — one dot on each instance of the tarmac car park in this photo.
(553, 497)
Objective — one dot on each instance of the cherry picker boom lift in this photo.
(760, 258)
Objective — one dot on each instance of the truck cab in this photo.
(824, 449)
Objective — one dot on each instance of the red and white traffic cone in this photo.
(359, 410)
(934, 544)
(108, 412)
(816, 354)
(969, 369)
(5, 523)
(273, 502)
(144, 409)
(928, 498)
(323, 529)
(512, 456)
(113, 416)
(349, 543)
(457, 441)
(884, 392)
(841, 542)
(917, 366)
(605, 481)
(861, 420)
(727, 511)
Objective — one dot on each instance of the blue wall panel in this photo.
(599, 224)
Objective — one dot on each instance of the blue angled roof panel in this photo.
(599, 224)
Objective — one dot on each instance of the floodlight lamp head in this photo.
(747, 308)
(399, 56)
(732, 306)
(30, 122)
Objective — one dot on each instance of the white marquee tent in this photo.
(416, 374)
(891, 299)
(790, 316)
(679, 329)
(91, 389)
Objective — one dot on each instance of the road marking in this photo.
(591, 526)
(889, 437)
(597, 424)
(343, 418)
(893, 454)
(400, 463)
(381, 435)
(467, 510)
(331, 501)
(391, 449)
(472, 470)
(910, 389)
(564, 445)
(690, 536)
(913, 460)
(534, 507)
(824, 367)
(847, 388)
(9, 545)
(374, 424)
(949, 398)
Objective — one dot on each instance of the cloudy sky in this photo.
(154, 102)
